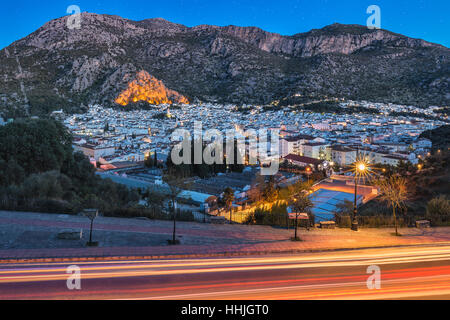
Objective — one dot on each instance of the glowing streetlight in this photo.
(361, 168)
(308, 172)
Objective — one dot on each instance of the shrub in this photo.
(379, 221)
(438, 206)
(343, 221)
(275, 216)
(438, 210)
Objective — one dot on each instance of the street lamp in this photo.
(308, 172)
(91, 214)
(361, 168)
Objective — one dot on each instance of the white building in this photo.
(316, 150)
(342, 155)
(94, 151)
(293, 145)
(391, 160)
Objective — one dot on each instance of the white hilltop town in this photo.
(118, 141)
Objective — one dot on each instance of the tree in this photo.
(36, 145)
(394, 190)
(300, 202)
(155, 159)
(336, 167)
(270, 193)
(11, 173)
(228, 198)
(38, 165)
(175, 185)
(405, 168)
(255, 194)
(47, 185)
(155, 200)
(149, 162)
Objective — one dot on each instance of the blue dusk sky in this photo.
(425, 19)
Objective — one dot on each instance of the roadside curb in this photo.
(196, 256)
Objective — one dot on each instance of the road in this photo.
(406, 273)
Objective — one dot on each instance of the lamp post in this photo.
(308, 172)
(91, 214)
(360, 169)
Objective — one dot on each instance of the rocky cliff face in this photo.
(336, 38)
(149, 89)
(56, 67)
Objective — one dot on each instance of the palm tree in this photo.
(395, 191)
(228, 198)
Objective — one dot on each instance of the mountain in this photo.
(55, 67)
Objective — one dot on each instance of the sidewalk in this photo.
(32, 237)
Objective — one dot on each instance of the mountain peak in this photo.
(161, 23)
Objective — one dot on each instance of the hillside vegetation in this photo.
(40, 172)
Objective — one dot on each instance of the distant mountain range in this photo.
(55, 67)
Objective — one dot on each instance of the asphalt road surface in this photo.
(405, 273)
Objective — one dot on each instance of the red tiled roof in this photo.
(298, 138)
(307, 160)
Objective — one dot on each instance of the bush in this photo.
(438, 206)
(344, 221)
(276, 216)
(256, 217)
(438, 210)
(182, 216)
